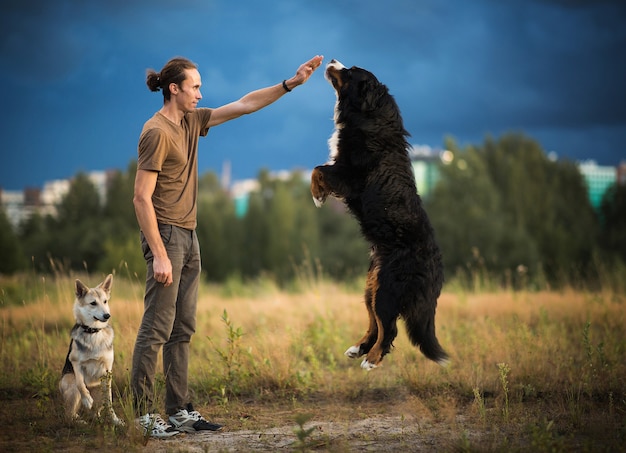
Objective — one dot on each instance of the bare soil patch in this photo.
(390, 426)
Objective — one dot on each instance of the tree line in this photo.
(501, 211)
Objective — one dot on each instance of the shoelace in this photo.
(195, 415)
(159, 422)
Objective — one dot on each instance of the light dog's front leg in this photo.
(85, 396)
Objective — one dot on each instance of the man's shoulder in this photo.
(156, 121)
(156, 128)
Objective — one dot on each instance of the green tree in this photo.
(613, 214)
(505, 206)
(252, 248)
(218, 229)
(77, 232)
(34, 236)
(10, 250)
(118, 208)
(120, 231)
(548, 200)
(472, 228)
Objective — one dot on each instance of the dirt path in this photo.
(380, 434)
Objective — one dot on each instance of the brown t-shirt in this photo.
(172, 151)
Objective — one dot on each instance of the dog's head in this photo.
(91, 307)
(358, 90)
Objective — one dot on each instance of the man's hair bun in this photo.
(153, 80)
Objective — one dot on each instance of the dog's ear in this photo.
(106, 284)
(81, 289)
(373, 95)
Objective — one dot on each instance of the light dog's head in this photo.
(91, 307)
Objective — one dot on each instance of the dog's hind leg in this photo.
(386, 317)
(363, 346)
(70, 395)
(387, 332)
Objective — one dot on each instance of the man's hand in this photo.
(305, 70)
(162, 269)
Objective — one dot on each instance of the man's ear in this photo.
(173, 88)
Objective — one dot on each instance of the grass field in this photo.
(530, 371)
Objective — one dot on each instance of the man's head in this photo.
(179, 77)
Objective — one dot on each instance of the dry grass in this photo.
(530, 371)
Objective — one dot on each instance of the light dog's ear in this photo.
(106, 284)
(81, 289)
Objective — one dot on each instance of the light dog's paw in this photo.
(368, 366)
(117, 421)
(76, 419)
(87, 401)
(353, 352)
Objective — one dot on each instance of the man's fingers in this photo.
(316, 61)
(164, 278)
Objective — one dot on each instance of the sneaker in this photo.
(154, 426)
(190, 421)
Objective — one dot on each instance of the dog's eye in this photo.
(94, 303)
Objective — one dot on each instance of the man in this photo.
(165, 205)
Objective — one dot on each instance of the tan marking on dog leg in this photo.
(319, 191)
(372, 288)
(375, 354)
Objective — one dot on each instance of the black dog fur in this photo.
(370, 169)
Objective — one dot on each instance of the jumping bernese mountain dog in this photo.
(371, 171)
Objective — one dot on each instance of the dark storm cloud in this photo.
(73, 73)
(34, 44)
(569, 57)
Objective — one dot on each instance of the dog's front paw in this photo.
(87, 401)
(79, 421)
(353, 352)
(116, 420)
(318, 187)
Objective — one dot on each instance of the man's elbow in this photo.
(140, 201)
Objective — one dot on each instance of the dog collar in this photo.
(88, 329)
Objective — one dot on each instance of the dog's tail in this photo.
(420, 327)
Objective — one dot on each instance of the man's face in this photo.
(189, 94)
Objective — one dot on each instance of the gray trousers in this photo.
(169, 321)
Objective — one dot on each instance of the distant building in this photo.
(20, 205)
(425, 161)
(12, 202)
(240, 192)
(598, 179)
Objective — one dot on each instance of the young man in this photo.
(165, 205)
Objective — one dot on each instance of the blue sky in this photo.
(75, 99)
